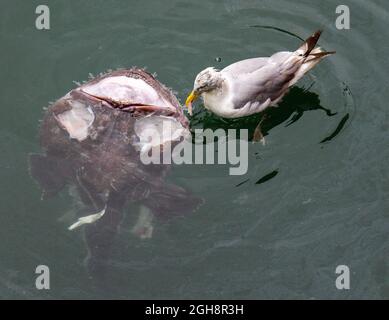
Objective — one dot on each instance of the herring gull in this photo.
(252, 85)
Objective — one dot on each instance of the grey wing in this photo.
(267, 82)
(245, 66)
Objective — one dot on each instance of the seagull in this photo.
(250, 86)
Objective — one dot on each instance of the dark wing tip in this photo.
(312, 41)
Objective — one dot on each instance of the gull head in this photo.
(207, 80)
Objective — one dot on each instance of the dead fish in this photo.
(91, 139)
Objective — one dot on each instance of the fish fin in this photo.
(87, 219)
(45, 171)
(172, 201)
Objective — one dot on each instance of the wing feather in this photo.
(245, 66)
(266, 80)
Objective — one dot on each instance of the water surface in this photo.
(314, 197)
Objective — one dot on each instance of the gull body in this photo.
(252, 85)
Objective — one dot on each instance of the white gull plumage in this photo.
(252, 85)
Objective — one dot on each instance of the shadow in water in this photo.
(339, 128)
(264, 179)
(267, 177)
(289, 110)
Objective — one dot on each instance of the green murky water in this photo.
(315, 197)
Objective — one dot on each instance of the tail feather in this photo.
(309, 44)
(309, 56)
(318, 54)
(321, 54)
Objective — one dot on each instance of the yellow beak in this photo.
(192, 97)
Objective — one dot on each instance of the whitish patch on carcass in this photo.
(77, 120)
(153, 131)
(87, 219)
(126, 90)
(143, 228)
